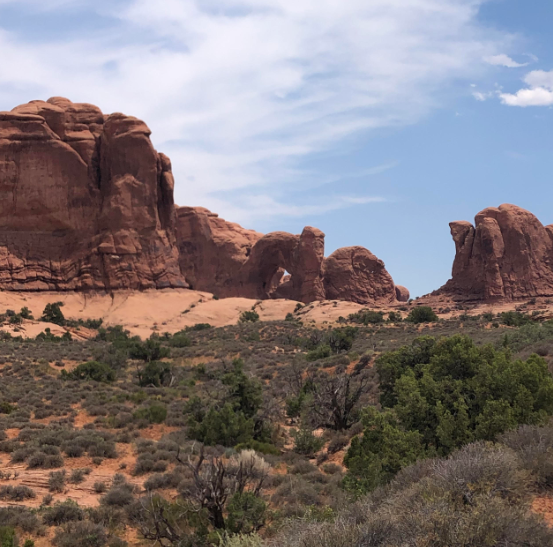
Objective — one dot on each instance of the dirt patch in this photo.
(157, 432)
(543, 505)
(63, 364)
(84, 493)
(83, 418)
(12, 433)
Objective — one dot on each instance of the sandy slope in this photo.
(170, 310)
(167, 310)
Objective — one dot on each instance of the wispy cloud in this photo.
(538, 93)
(503, 60)
(241, 92)
(480, 96)
(260, 207)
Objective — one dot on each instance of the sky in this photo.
(377, 121)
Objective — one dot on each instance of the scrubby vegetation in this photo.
(383, 430)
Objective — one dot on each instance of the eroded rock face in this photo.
(507, 254)
(279, 252)
(85, 201)
(355, 274)
(223, 258)
(402, 294)
(212, 250)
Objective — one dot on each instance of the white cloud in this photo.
(239, 92)
(539, 92)
(479, 96)
(540, 78)
(537, 96)
(503, 60)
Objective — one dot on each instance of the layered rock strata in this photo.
(506, 255)
(86, 203)
(224, 258)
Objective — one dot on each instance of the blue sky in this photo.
(377, 121)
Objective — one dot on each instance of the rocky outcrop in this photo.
(85, 201)
(506, 255)
(355, 274)
(224, 258)
(212, 251)
(279, 252)
(402, 294)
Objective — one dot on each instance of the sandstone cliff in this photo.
(507, 254)
(86, 203)
(227, 260)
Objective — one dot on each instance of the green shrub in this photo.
(154, 373)
(8, 537)
(63, 512)
(320, 352)
(116, 334)
(16, 493)
(295, 404)
(226, 427)
(384, 449)
(52, 314)
(249, 317)
(305, 442)
(422, 314)
(245, 393)
(262, 448)
(239, 540)
(92, 370)
(394, 317)
(514, 319)
(246, 513)
(156, 413)
(81, 534)
(148, 351)
(48, 336)
(26, 313)
(6, 408)
(341, 340)
(444, 394)
(56, 481)
(180, 340)
(200, 326)
(367, 317)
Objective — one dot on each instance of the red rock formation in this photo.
(402, 294)
(355, 274)
(224, 258)
(508, 254)
(85, 201)
(301, 256)
(212, 250)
